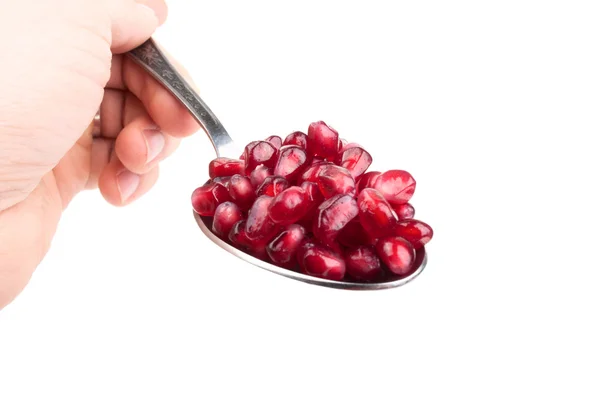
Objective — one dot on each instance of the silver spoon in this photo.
(150, 57)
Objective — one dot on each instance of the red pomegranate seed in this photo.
(333, 215)
(237, 236)
(259, 153)
(257, 177)
(335, 180)
(206, 198)
(226, 216)
(297, 138)
(275, 140)
(223, 181)
(322, 262)
(291, 162)
(356, 160)
(272, 186)
(353, 234)
(396, 186)
(311, 173)
(398, 254)
(259, 226)
(306, 244)
(416, 232)
(350, 145)
(404, 211)
(225, 167)
(289, 206)
(282, 250)
(323, 141)
(241, 191)
(314, 197)
(367, 180)
(363, 264)
(375, 213)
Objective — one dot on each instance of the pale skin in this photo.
(61, 62)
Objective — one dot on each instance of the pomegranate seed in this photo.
(335, 180)
(404, 211)
(257, 177)
(314, 197)
(282, 250)
(259, 153)
(223, 181)
(375, 213)
(237, 236)
(225, 167)
(274, 140)
(363, 264)
(259, 226)
(297, 138)
(350, 145)
(272, 186)
(311, 173)
(396, 186)
(333, 215)
(322, 262)
(356, 160)
(398, 254)
(226, 215)
(291, 162)
(289, 206)
(241, 191)
(354, 234)
(416, 232)
(306, 244)
(206, 198)
(367, 180)
(322, 141)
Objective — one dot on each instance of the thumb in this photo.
(132, 24)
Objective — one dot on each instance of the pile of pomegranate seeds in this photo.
(307, 203)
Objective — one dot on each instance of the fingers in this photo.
(160, 9)
(120, 186)
(134, 22)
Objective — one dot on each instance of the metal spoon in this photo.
(150, 57)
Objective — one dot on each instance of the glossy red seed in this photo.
(363, 264)
(375, 213)
(356, 160)
(291, 162)
(206, 198)
(237, 236)
(404, 211)
(259, 226)
(311, 173)
(398, 254)
(226, 216)
(396, 186)
(323, 141)
(297, 138)
(275, 140)
(322, 262)
(416, 232)
(367, 180)
(314, 197)
(225, 167)
(289, 206)
(282, 250)
(272, 186)
(353, 234)
(259, 153)
(223, 181)
(347, 145)
(335, 180)
(257, 177)
(333, 215)
(241, 191)
(306, 244)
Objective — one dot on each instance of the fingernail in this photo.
(155, 142)
(127, 183)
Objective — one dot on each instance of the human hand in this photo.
(60, 64)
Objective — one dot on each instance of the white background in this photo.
(492, 106)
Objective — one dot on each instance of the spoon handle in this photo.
(150, 57)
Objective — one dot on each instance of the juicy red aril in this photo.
(375, 213)
(226, 216)
(289, 206)
(225, 167)
(241, 191)
(398, 254)
(282, 250)
(416, 232)
(311, 173)
(237, 236)
(335, 180)
(322, 141)
(259, 226)
(272, 186)
(322, 262)
(354, 234)
(363, 264)
(333, 215)
(291, 162)
(367, 180)
(355, 159)
(223, 181)
(404, 211)
(313, 195)
(275, 140)
(258, 175)
(306, 244)
(297, 138)
(396, 186)
(259, 153)
(206, 198)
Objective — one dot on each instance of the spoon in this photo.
(151, 58)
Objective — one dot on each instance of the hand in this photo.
(59, 66)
